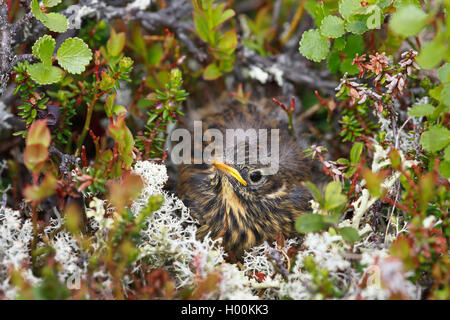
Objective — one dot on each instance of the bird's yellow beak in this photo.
(231, 171)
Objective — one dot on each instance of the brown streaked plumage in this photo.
(244, 204)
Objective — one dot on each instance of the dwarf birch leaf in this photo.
(74, 55)
(44, 74)
(421, 110)
(314, 46)
(447, 153)
(56, 22)
(37, 12)
(43, 49)
(347, 8)
(332, 27)
(408, 20)
(435, 138)
(444, 169)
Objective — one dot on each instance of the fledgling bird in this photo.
(246, 204)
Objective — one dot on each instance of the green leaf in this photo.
(115, 43)
(444, 169)
(44, 190)
(347, 8)
(339, 43)
(333, 197)
(445, 94)
(332, 27)
(421, 110)
(356, 26)
(355, 152)
(228, 40)
(349, 234)
(435, 138)
(312, 187)
(373, 181)
(314, 46)
(43, 49)
(37, 12)
(227, 14)
(375, 19)
(212, 72)
(334, 62)
(433, 52)
(355, 44)
(447, 153)
(402, 3)
(56, 22)
(310, 223)
(317, 10)
(155, 54)
(44, 74)
(408, 21)
(331, 218)
(38, 133)
(347, 66)
(201, 25)
(74, 55)
(444, 73)
(51, 3)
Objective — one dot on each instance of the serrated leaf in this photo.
(37, 12)
(375, 19)
(347, 8)
(402, 3)
(44, 74)
(349, 234)
(356, 26)
(56, 22)
(314, 46)
(51, 3)
(408, 21)
(43, 49)
(435, 138)
(421, 110)
(74, 55)
(310, 223)
(332, 27)
(447, 153)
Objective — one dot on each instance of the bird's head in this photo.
(246, 204)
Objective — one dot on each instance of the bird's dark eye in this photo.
(255, 176)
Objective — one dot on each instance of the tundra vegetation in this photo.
(89, 91)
